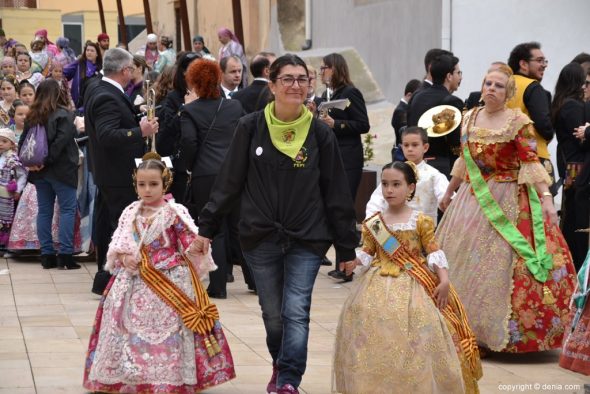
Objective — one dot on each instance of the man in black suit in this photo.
(231, 75)
(400, 113)
(116, 139)
(257, 95)
(446, 78)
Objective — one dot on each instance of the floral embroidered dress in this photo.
(507, 307)
(576, 348)
(391, 337)
(139, 343)
(23, 234)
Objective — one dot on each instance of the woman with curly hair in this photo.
(207, 127)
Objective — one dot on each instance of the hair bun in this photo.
(414, 168)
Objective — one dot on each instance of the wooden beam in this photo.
(122, 26)
(103, 24)
(186, 34)
(238, 27)
(148, 16)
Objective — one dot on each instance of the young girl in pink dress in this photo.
(155, 329)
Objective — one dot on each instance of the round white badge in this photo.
(259, 151)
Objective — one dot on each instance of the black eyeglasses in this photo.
(289, 81)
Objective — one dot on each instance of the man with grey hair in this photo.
(116, 139)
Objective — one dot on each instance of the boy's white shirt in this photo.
(430, 190)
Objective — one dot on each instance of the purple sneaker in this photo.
(287, 389)
(271, 387)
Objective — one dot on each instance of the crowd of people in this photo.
(242, 163)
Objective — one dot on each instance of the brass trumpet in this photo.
(150, 100)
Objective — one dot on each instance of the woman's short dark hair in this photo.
(340, 73)
(569, 85)
(406, 169)
(521, 52)
(182, 65)
(204, 76)
(288, 59)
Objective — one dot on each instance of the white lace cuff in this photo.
(533, 172)
(437, 258)
(365, 258)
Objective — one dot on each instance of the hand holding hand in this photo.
(349, 266)
(129, 261)
(148, 127)
(200, 245)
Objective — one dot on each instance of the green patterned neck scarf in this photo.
(288, 137)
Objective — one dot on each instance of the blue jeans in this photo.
(284, 274)
(47, 190)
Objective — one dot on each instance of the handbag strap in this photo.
(211, 125)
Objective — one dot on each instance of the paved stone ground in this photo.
(46, 318)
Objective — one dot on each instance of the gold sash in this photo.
(200, 320)
(454, 312)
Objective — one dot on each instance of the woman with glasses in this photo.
(285, 168)
(567, 114)
(347, 124)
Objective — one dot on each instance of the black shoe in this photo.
(326, 261)
(101, 280)
(66, 262)
(337, 274)
(222, 295)
(230, 278)
(347, 278)
(48, 261)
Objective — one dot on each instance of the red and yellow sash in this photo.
(454, 312)
(197, 315)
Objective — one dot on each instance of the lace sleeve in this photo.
(437, 258)
(533, 172)
(365, 258)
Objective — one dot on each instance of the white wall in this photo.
(483, 31)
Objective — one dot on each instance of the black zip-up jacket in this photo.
(306, 200)
(61, 163)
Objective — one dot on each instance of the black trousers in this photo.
(353, 175)
(201, 188)
(108, 206)
(110, 203)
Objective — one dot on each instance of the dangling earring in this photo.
(409, 197)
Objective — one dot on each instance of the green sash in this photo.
(538, 262)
